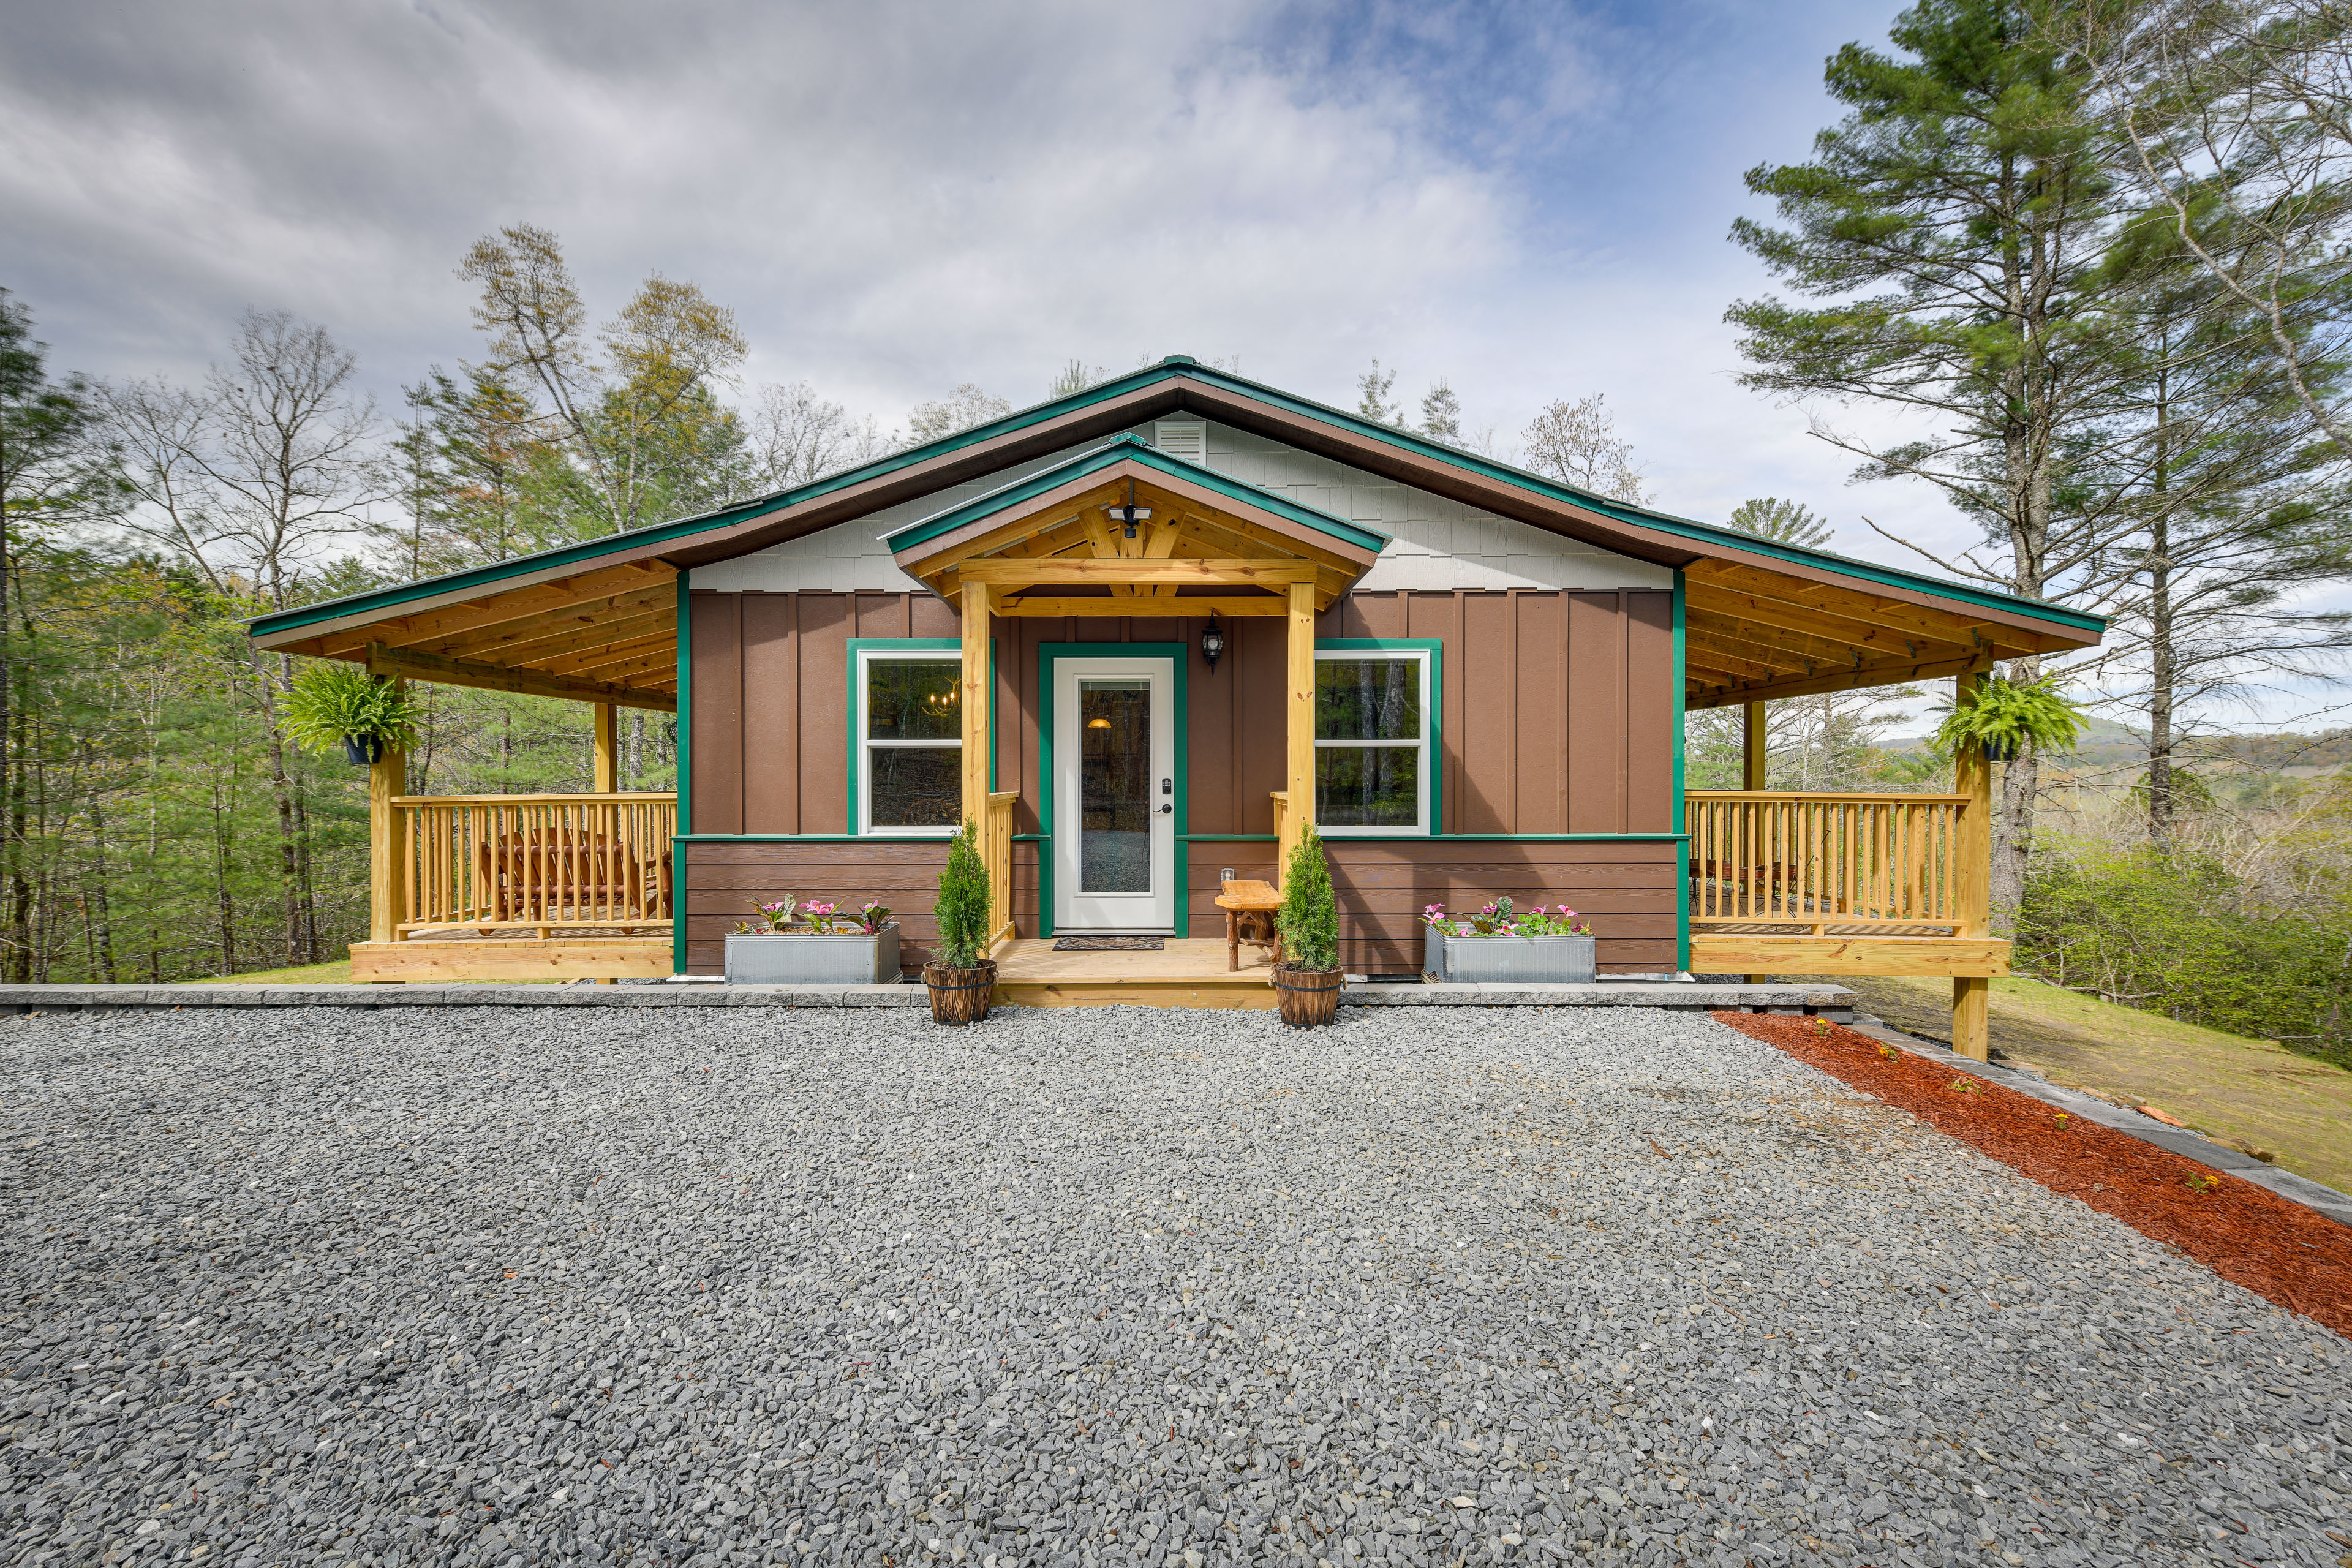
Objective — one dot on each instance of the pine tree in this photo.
(1373, 397)
(1441, 413)
(963, 906)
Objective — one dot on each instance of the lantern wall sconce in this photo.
(1213, 643)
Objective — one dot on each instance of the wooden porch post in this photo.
(1972, 876)
(1751, 747)
(973, 702)
(608, 749)
(1301, 727)
(387, 777)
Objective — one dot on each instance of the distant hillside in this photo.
(2109, 747)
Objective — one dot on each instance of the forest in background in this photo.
(2100, 253)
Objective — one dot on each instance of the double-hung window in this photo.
(1375, 720)
(909, 732)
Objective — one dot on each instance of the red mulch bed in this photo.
(2246, 1234)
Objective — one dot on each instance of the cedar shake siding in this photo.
(1557, 717)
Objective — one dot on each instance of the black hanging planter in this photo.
(1999, 750)
(363, 751)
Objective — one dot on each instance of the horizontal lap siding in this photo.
(1625, 889)
(722, 879)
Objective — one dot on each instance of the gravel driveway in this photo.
(495, 1287)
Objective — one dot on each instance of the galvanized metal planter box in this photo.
(1561, 960)
(856, 958)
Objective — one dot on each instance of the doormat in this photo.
(1111, 944)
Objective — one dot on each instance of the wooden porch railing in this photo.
(531, 861)
(1818, 860)
(996, 855)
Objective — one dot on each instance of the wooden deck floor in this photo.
(1189, 973)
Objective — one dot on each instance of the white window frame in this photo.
(1426, 745)
(866, 745)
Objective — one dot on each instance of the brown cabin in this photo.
(1134, 633)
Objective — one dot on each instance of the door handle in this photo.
(1166, 810)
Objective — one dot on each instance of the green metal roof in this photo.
(1129, 448)
(1182, 368)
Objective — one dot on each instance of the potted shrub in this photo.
(962, 979)
(2004, 715)
(1502, 943)
(807, 944)
(1307, 982)
(333, 704)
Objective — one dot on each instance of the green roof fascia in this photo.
(1639, 516)
(741, 512)
(1124, 448)
(1177, 367)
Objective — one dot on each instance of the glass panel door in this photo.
(1114, 795)
(1115, 784)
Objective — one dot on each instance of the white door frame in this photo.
(1151, 912)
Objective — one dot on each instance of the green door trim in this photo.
(1048, 655)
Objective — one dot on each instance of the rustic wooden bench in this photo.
(1249, 908)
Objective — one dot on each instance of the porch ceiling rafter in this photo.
(1109, 605)
(384, 660)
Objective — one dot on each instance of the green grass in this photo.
(336, 974)
(2252, 1093)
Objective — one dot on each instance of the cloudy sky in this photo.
(1530, 200)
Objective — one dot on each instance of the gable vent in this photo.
(1186, 440)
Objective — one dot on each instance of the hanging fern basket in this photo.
(363, 751)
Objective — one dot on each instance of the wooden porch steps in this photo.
(1189, 973)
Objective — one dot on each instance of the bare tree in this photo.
(1576, 444)
(249, 481)
(797, 437)
(967, 406)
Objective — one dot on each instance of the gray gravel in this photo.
(497, 1286)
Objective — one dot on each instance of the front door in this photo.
(1114, 795)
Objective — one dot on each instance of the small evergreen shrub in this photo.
(333, 701)
(1309, 919)
(962, 908)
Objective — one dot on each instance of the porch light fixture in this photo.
(1130, 514)
(1213, 643)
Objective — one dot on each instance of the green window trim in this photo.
(859, 650)
(1430, 652)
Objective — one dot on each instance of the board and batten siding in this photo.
(1558, 717)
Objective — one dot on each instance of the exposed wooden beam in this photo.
(1820, 649)
(546, 623)
(1936, 625)
(1781, 616)
(1876, 675)
(1254, 573)
(574, 638)
(1187, 605)
(382, 660)
(621, 670)
(580, 664)
(1732, 669)
(1764, 654)
(562, 592)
